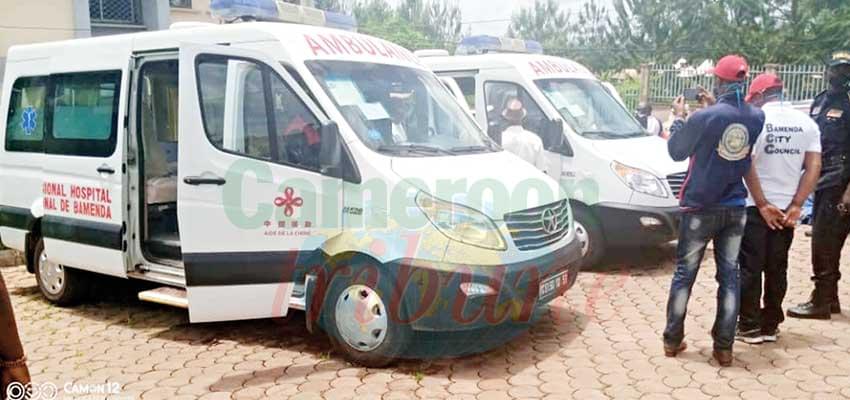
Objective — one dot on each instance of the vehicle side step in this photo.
(170, 296)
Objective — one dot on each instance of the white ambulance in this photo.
(622, 184)
(254, 167)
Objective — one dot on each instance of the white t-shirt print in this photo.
(780, 151)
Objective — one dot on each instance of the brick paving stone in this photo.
(601, 340)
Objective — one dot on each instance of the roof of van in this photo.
(535, 66)
(299, 42)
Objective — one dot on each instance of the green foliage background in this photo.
(633, 31)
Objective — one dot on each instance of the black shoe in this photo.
(751, 336)
(770, 336)
(674, 350)
(835, 307)
(723, 357)
(810, 310)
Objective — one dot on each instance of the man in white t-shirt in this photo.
(787, 160)
(515, 139)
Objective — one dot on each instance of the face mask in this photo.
(839, 82)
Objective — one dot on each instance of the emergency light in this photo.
(490, 44)
(278, 11)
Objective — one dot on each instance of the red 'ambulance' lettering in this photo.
(331, 44)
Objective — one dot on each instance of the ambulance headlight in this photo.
(461, 223)
(640, 180)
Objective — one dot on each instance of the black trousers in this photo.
(763, 251)
(829, 232)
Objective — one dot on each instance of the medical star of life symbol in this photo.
(28, 120)
(289, 202)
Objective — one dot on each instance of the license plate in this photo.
(553, 283)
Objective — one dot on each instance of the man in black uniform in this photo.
(831, 111)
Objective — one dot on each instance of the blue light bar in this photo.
(491, 44)
(278, 11)
(263, 10)
(340, 21)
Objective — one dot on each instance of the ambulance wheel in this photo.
(589, 234)
(358, 322)
(61, 285)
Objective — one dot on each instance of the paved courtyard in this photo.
(599, 341)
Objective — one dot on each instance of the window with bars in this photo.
(127, 12)
(181, 3)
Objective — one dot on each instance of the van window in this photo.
(399, 110)
(25, 118)
(497, 95)
(84, 113)
(467, 87)
(248, 109)
(590, 109)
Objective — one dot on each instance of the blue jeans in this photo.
(725, 226)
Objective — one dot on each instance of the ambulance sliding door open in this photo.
(249, 145)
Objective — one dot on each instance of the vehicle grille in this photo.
(527, 226)
(676, 181)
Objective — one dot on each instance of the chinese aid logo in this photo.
(28, 120)
(289, 202)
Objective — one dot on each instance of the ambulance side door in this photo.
(258, 193)
(83, 172)
(500, 85)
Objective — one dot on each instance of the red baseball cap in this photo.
(763, 83)
(732, 68)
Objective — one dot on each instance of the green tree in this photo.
(398, 31)
(333, 5)
(544, 22)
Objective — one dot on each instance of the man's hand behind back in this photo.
(772, 215)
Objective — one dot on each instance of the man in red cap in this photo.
(718, 140)
(789, 143)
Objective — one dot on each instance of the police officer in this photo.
(831, 111)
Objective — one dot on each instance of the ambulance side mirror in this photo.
(555, 141)
(330, 152)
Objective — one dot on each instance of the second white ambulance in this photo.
(623, 185)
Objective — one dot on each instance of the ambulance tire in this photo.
(588, 229)
(349, 292)
(59, 284)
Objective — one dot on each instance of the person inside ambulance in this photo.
(401, 108)
(517, 140)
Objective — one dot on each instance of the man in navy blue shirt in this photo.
(718, 140)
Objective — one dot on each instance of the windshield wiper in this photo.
(471, 149)
(602, 134)
(418, 148)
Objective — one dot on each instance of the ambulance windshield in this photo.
(399, 110)
(589, 109)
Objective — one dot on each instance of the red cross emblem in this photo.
(289, 202)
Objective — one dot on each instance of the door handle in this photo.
(105, 169)
(198, 180)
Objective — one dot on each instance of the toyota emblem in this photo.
(550, 221)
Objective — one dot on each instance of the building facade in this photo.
(33, 21)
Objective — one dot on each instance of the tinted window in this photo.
(84, 112)
(248, 109)
(497, 95)
(467, 87)
(25, 123)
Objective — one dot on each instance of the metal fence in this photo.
(802, 82)
(123, 12)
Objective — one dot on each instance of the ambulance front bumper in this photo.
(455, 297)
(630, 225)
